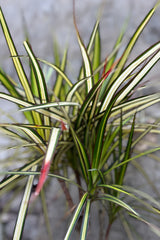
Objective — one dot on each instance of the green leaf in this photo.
(49, 105)
(56, 52)
(34, 86)
(86, 60)
(116, 164)
(142, 105)
(58, 70)
(36, 138)
(59, 80)
(143, 197)
(28, 173)
(76, 216)
(12, 179)
(97, 54)
(127, 154)
(116, 46)
(110, 137)
(85, 220)
(133, 103)
(131, 190)
(57, 115)
(133, 41)
(119, 202)
(84, 161)
(100, 137)
(40, 82)
(87, 101)
(23, 208)
(8, 84)
(74, 89)
(46, 217)
(124, 75)
(89, 47)
(139, 76)
(93, 37)
(54, 137)
(19, 68)
(17, 63)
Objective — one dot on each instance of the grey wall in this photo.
(52, 18)
(45, 20)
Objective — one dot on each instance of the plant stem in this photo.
(108, 231)
(79, 183)
(101, 223)
(66, 193)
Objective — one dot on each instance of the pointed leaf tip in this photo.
(42, 179)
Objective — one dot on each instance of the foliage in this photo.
(88, 126)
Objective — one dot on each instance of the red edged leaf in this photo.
(54, 136)
(42, 179)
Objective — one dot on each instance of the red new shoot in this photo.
(44, 172)
(47, 161)
(106, 74)
(63, 126)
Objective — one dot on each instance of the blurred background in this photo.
(46, 20)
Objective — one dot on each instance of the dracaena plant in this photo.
(87, 126)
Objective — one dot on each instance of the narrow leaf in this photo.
(100, 137)
(6, 82)
(93, 37)
(36, 138)
(17, 63)
(57, 115)
(58, 70)
(119, 202)
(126, 73)
(137, 78)
(41, 84)
(84, 161)
(85, 220)
(127, 154)
(97, 54)
(76, 216)
(116, 164)
(19, 68)
(88, 100)
(47, 160)
(86, 60)
(133, 41)
(49, 105)
(23, 208)
(11, 179)
(59, 79)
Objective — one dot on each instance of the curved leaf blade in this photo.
(133, 41)
(23, 208)
(17, 63)
(76, 216)
(128, 71)
(86, 60)
(138, 77)
(57, 116)
(119, 202)
(40, 83)
(54, 136)
(85, 220)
